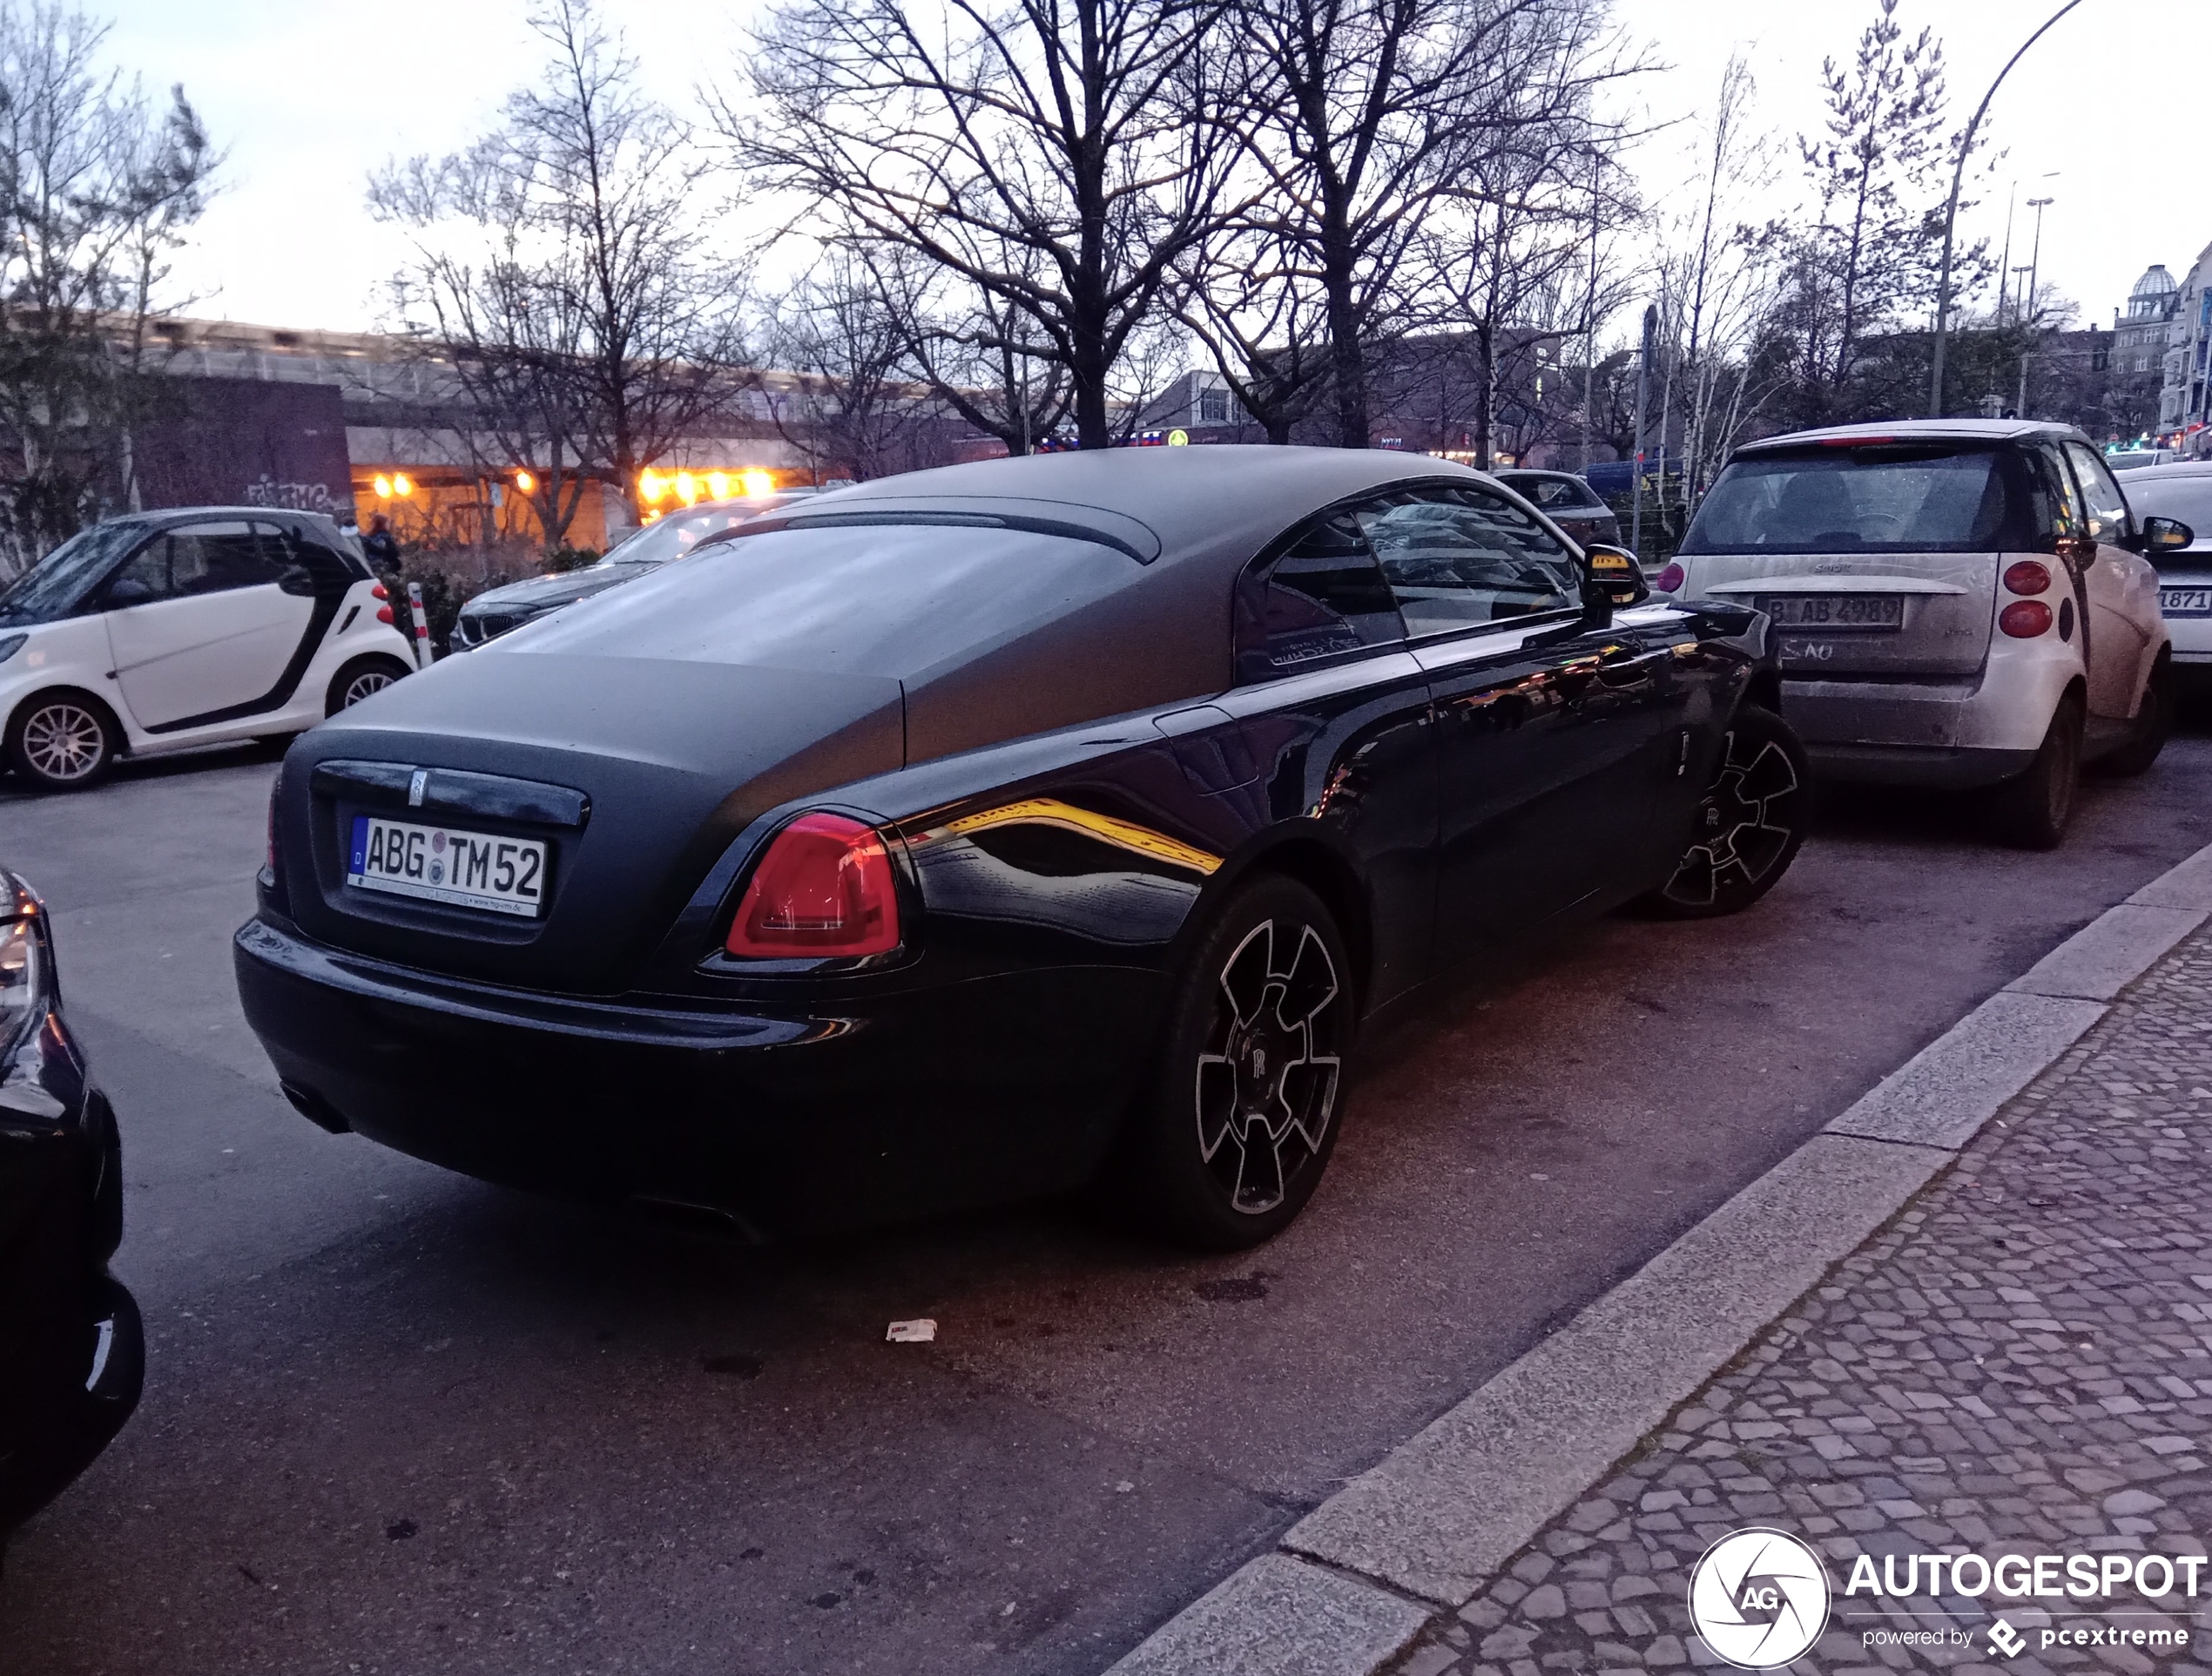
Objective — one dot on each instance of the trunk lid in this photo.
(636, 774)
(1832, 612)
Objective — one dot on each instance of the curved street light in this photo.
(1951, 211)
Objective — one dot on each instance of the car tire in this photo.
(362, 679)
(2153, 722)
(1241, 1113)
(1748, 825)
(63, 740)
(2030, 810)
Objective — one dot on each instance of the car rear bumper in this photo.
(790, 1121)
(1973, 730)
(1917, 765)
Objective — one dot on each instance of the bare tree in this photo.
(575, 242)
(1361, 117)
(840, 395)
(1050, 156)
(100, 186)
(1260, 312)
(982, 356)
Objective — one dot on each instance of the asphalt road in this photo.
(396, 1421)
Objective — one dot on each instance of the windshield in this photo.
(1552, 493)
(677, 534)
(1899, 498)
(54, 586)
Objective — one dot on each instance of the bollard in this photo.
(421, 625)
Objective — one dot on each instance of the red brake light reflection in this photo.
(825, 888)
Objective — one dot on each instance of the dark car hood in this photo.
(543, 592)
(675, 758)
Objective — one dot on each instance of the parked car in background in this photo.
(72, 1350)
(162, 631)
(1083, 807)
(2182, 491)
(1567, 501)
(498, 611)
(2135, 459)
(1956, 603)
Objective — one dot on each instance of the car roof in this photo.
(160, 518)
(1214, 501)
(1922, 431)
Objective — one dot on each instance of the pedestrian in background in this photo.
(378, 546)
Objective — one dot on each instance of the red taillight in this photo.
(383, 613)
(824, 888)
(377, 591)
(2025, 619)
(2028, 577)
(1668, 579)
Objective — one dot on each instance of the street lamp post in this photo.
(1951, 210)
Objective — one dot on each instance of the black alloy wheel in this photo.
(364, 677)
(1244, 1105)
(2030, 810)
(62, 741)
(2153, 722)
(1750, 824)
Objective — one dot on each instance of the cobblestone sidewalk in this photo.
(2020, 1363)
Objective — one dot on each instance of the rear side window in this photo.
(1321, 596)
(1895, 499)
(1457, 558)
(2101, 495)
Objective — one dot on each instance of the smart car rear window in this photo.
(1891, 499)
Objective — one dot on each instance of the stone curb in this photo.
(1430, 1523)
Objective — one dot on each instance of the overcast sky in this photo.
(308, 98)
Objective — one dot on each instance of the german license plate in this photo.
(1834, 611)
(2185, 602)
(468, 869)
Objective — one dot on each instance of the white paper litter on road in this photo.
(911, 1332)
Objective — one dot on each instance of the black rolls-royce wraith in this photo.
(987, 831)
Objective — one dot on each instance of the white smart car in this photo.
(165, 630)
(1954, 602)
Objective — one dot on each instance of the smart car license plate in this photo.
(468, 869)
(1834, 611)
(2185, 602)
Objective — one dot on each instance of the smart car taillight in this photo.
(1668, 579)
(825, 888)
(2028, 577)
(377, 591)
(383, 613)
(2025, 619)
